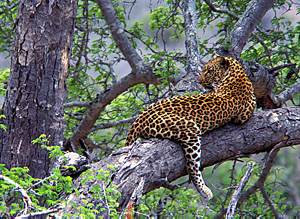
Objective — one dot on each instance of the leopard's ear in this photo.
(224, 62)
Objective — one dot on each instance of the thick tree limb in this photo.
(155, 160)
(141, 73)
(252, 16)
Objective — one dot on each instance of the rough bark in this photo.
(161, 161)
(191, 43)
(36, 90)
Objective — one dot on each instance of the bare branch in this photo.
(218, 10)
(191, 43)
(237, 192)
(264, 173)
(252, 16)
(77, 104)
(288, 93)
(26, 199)
(157, 159)
(112, 124)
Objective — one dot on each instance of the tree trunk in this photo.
(36, 90)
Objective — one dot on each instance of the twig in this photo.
(26, 199)
(237, 192)
(105, 198)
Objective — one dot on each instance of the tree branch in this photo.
(288, 93)
(162, 159)
(119, 36)
(77, 104)
(141, 73)
(279, 67)
(191, 44)
(218, 10)
(252, 16)
(112, 124)
(39, 214)
(237, 192)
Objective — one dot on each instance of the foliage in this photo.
(4, 74)
(102, 190)
(44, 193)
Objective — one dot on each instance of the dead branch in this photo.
(237, 192)
(191, 43)
(162, 159)
(26, 199)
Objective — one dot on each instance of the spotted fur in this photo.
(186, 118)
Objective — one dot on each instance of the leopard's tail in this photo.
(132, 136)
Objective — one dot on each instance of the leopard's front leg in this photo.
(192, 151)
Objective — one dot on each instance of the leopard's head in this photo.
(214, 71)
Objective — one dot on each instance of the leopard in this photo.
(185, 119)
